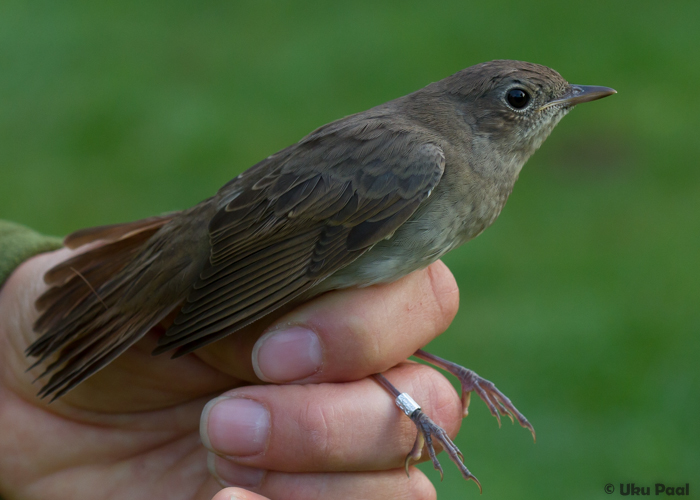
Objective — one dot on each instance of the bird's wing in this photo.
(299, 216)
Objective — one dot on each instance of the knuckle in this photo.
(320, 440)
(362, 344)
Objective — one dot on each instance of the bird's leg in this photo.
(427, 431)
(498, 403)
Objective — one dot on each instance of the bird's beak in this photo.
(580, 93)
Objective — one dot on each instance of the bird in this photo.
(363, 200)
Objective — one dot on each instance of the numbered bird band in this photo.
(406, 403)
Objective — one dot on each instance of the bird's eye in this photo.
(518, 98)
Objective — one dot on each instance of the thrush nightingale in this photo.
(363, 200)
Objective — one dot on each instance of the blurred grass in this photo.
(581, 302)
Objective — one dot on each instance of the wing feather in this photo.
(309, 212)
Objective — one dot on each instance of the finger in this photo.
(345, 334)
(385, 485)
(326, 427)
(237, 494)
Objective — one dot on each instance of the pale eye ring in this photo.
(518, 98)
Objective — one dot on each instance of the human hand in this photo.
(133, 430)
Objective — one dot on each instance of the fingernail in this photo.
(235, 426)
(287, 355)
(230, 474)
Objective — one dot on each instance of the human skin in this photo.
(136, 430)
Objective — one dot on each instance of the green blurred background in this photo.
(581, 302)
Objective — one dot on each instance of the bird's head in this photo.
(514, 105)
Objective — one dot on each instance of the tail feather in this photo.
(80, 346)
(100, 260)
(45, 346)
(80, 326)
(89, 354)
(114, 232)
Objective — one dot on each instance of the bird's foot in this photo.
(497, 402)
(427, 431)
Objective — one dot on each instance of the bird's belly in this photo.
(415, 245)
(419, 242)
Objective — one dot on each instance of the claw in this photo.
(503, 410)
(473, 478)
(415, 452)
(427, 429)
(496, 401)
(466, 399)
(510, 416)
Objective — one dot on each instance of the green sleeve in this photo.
(18, 243)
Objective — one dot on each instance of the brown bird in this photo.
(363, 200)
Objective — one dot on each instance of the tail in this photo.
(78, 319)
